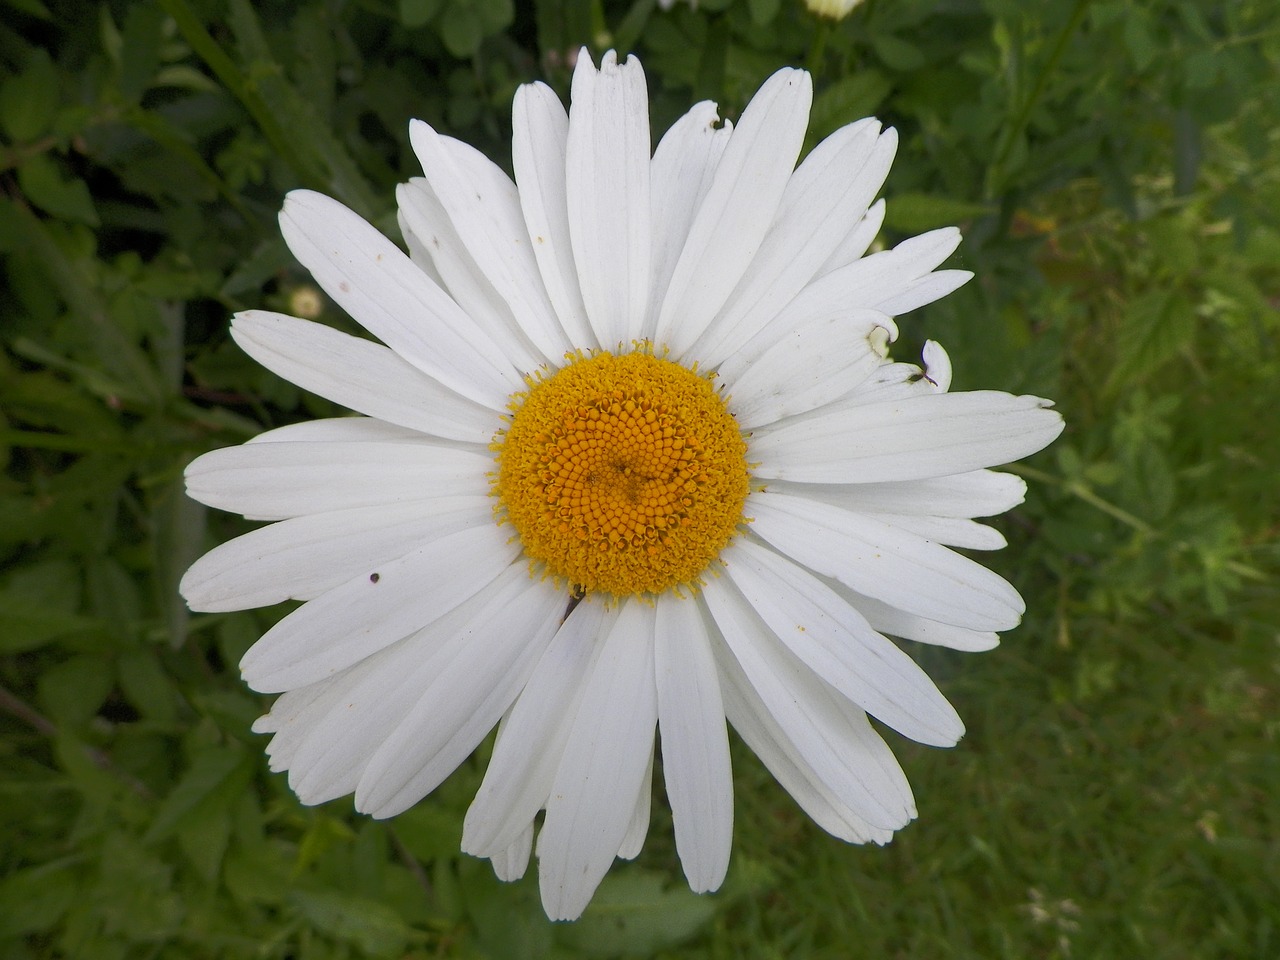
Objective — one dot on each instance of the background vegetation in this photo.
(1115, 167)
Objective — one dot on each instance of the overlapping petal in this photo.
(277, 480)
(370, 278)
(607, 183)
(912, 439)
(726, 233)
(605, 758)
(359, 374)
(695, 748)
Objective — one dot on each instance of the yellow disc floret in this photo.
(622, 473)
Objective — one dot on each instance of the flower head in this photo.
(631, 456)
(832, 9)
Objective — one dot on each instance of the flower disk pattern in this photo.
(624, 474)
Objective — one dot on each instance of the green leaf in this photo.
(146, 685)
(34, 899)
(74, 690)
(113, 595)
(178, 525)
(896, 53)
(29, 100)
(135, 896)
(916, 212)
(27, 623)
(508, 918)
(429, 832)
(213, 771)
(1157, 325)
(763, 11)
(632, 913)
(204, 837)
(44, 185)
(414, 13)
(33, 7)
(366, 924)
(461, 29)
(140, 49)
(847, 100)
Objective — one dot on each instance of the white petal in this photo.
(948, 531)
(910, 439)
(837, 643)
(540, 129)
(295, 713)
(762, 733)
(511, 863)
(369, 277)
(593, 796)
(461, 276)
(682, 171)
(360, 374)
(607, 179)
(927, 289)
(828, 734)
(818, 361)
(937, 365)
(273, 481)
(370, 612)
(301, 558)
(857, 241)
(338, 737)
(828, 191)
(638, 828)
(531, 741)
(876, 281)
(893, 382)
(460, 703)
(980, 493)
(736, 213)
(891, 620)
(695, 744)
(418, 253)
(484, 208)
(340, 430)
(886, 562)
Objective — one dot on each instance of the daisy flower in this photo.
(631, 457)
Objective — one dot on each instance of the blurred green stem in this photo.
(1082, 491)
(17, 707)
(818, 46)
(996, 172)
(241, 88)
(41, 440)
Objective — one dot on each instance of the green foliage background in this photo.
(1115, 167)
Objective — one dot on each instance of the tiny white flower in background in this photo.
(655, 383)
(832, 9)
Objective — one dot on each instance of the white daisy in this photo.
(631, 458)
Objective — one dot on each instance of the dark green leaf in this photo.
(46, 187)
(414, 13)
(847, 100)
(27, 623)
(366, 924)
(34, 899)
(213, 771)
(634, 913)
(75, 689)
(916, 213)
(29, 100)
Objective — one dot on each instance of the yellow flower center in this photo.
(623, 474)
